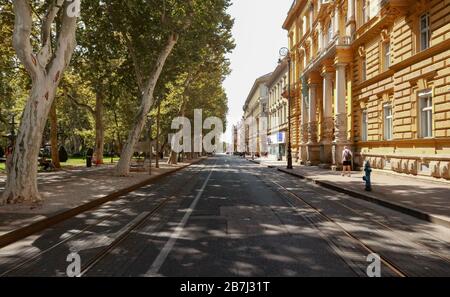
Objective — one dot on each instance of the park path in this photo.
(67, 189)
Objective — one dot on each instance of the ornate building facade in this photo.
(373, 75)
(255, 116)
(278, 111)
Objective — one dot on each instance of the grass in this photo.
(72, 162)
(80, 161)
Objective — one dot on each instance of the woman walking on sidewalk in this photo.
(347, 161)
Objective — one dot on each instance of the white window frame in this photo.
(330, 33)
(365, 10)
(424, 32)
(388, 122)
(363, 69)
(364, 125)
(426, 114)
(387, 55)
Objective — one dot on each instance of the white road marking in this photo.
(159, 261)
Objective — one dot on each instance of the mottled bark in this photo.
(147, 101)
(97, 113)
(45, 70)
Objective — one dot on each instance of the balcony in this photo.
(323, 6)
(344, 41)
(399, 5)
(388, 11)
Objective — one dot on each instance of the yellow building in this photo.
(374, 76)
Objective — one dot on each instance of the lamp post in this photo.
(113, 145)
(157, 135)
(149, 122)
(284, 53)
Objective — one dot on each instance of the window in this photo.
(330, 33)
(364, 126)
(426, 114)
(365, 11)
(424, 32)
(388, 122)
(386, 55)
(363, 69)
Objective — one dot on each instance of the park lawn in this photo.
(80, 161)
(72, 162)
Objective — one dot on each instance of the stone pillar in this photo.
(304, 120)
(312, 111)
(313, 149)
(340, 115)
(336, 20)
(320, 37)
(326, 157)
(351, 19)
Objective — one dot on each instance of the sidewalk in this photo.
(423, 198)
(70, 191)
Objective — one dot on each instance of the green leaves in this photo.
(102, 61)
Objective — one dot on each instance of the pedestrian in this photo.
(347, 161)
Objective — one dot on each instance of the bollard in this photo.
(366, 177)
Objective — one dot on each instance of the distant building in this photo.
(278, 112)
(255, 117)
(234, 141)
(241, 137)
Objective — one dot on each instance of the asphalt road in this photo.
(225, 217)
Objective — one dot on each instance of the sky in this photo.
(259, 35)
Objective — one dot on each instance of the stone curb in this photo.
(373, 199)
(21, 233)
(418, 214)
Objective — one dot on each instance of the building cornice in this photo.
(293, 13)
(277, 73)
(259, 81)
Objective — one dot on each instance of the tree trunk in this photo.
(173, 158)
(147, 101)
(99, 129)
(45, 70)
(54, 136)
(21, 185)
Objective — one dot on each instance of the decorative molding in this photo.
(384, 36)
(422, 81)
(361, 51)
(363, 103)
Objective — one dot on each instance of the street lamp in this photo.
(112, 152)
(149, 122)
(284, 53)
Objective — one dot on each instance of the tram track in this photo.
(397, 271)
(119, 237)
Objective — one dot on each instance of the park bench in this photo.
(45, 164)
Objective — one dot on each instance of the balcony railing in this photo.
(323, 5)
(344, 41)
